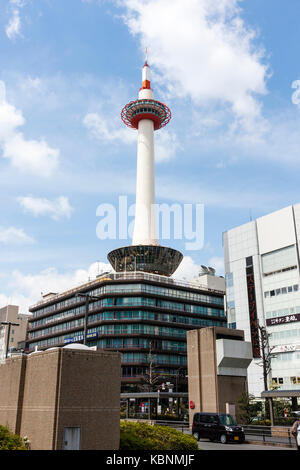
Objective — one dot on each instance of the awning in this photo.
(280, 393)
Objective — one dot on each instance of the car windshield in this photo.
(227, 420)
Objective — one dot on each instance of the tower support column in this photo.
(145, 231)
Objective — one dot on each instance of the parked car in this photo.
(215, 426)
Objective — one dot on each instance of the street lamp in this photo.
(88, 297)
(9, 323)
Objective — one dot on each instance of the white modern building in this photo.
(262, 285)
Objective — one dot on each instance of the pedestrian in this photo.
(296, 432)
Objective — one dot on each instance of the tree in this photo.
(10, 441)
(265, 363)
(245, 407)
(151, 378)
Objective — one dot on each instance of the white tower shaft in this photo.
(145, 230)
(145, 218)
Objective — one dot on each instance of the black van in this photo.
(215, 426)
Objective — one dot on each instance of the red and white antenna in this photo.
(146, 74)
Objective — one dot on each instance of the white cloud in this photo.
(108, 131)
(14, 236)
(56, 209)
(31, 286)
(166, 145)
(14, 25)
(187, 270)
(202, 49)
(102, 129)
(218, 263)
(13, 28)
(30, 156)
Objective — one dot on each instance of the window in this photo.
(227, 420)
(279, 260)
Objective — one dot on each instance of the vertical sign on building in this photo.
(252, 307)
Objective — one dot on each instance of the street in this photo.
(204, 444)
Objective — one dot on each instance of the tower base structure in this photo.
(146, 258)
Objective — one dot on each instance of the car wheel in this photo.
(223, 438)
(196, 436)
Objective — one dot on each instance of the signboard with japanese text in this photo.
(282, 320)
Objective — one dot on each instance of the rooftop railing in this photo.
(135, 275)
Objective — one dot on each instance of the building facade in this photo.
(262, 287)
(17, 334)
(144, 316)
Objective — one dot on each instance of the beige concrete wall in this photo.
(90, 396)
(45, 392)
(40, 399)
(230, 390)
(12, 375)
(209, 391)
(202, 374)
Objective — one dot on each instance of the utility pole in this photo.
(9, 324)
(88, 298)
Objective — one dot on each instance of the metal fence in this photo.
(277, 435)
(270, 435)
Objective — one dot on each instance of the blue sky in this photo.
(68, 67)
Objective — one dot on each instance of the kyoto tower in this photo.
(145, 254)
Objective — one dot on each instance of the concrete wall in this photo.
(209, 389)
(230, 390)
(45, 392)
(12, 377)
(95, 402)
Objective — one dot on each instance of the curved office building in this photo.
(144, 316)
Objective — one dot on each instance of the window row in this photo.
(134, 371)
(124, 288)
(283, 312)
(130, 301)
(288, 356)
(123, 343)
(282, 290)
(284, 334)
(152, 316)
(156, 358)
(282, 380)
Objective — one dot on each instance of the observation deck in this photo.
(154, 110)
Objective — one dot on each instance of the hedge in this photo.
(10, 441)
(142, 436)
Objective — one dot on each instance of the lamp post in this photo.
(9, 324)
(88, 297)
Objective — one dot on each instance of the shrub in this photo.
(142, 436)
(10, 441)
